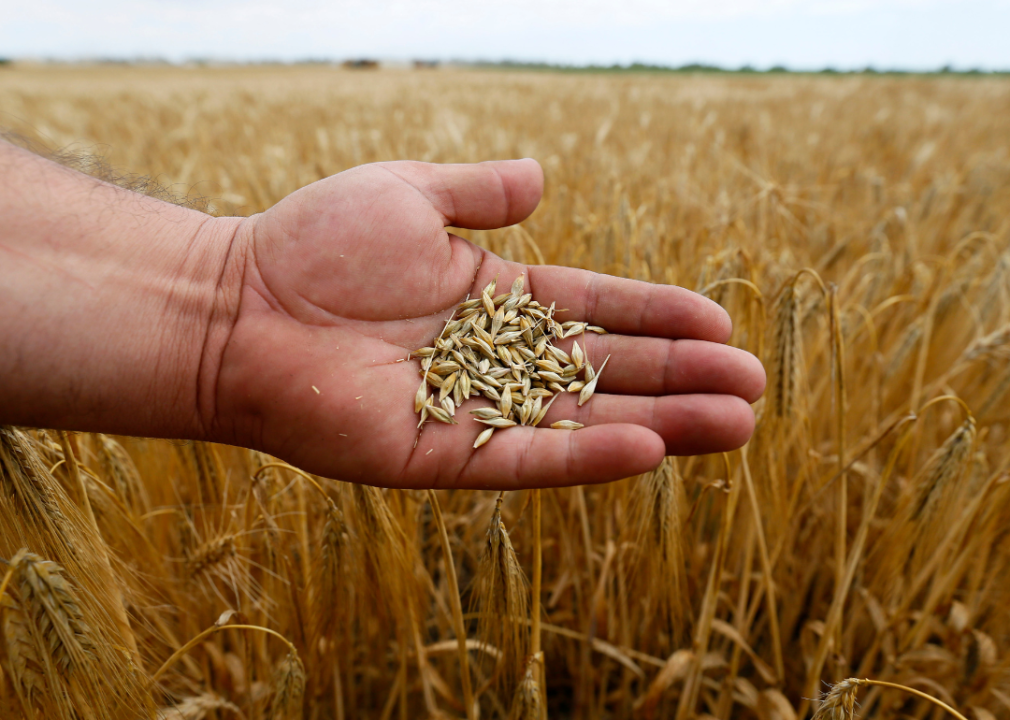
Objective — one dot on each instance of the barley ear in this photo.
(501, 596)
(784, 368)
(526, 701)
(657, 571)
(289, 689)
(23, 659)
(198, 707)
(839, 702)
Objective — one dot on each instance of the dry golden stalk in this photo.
(457, 609)
(214, 629)
(834, 614)
(703, 629)
(839, 702)
(118, 609)
(76, 481)
(766, 565)
(259, 505)
(536, 591)
(501, 598)
(839, 402)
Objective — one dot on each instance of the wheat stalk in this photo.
(537, 591)
(457, 609)
(501, 596)
(839, 702)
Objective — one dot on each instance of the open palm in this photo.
(344, 277)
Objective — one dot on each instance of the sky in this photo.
(799, 34)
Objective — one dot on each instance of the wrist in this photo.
(109, 303)
(227, 242)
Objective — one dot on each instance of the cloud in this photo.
(806, 33)
(453, 12)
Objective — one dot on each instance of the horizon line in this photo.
(431, 62)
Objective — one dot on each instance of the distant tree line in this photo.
(708, 68)
(637, 67)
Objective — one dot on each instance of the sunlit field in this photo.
(857, 228)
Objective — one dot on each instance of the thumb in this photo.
(479, 196)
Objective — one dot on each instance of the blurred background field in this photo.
(864, 532)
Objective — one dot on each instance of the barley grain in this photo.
(566, 425)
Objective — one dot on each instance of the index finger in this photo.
(630, 307)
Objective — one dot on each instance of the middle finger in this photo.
(656, 366)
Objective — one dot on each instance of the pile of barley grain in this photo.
(513, 333)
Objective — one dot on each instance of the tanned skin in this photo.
(120, 313)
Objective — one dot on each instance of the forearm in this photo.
(108, 302)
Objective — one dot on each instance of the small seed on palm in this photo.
(483, 437)
(499, 422)
(441, 415)
(420, 396)
(447, 385)
(578, 357)
(543, 411)
(590, 387)
(566, 425)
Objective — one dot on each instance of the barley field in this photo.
(857, 228)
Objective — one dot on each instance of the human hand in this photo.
(338, 282)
